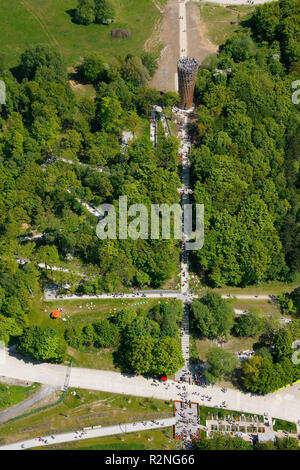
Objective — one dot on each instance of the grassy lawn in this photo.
(217, 19)
(273, 288)
(145, 440)
(234, 344)
(284, 426)
(30, 22)
(259, 306)
(85, 408)
(12, 394)
(96, 359)
(83, 312)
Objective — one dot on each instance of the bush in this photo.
(105, 334)
(248, 325)
(43, 344)
(150, 62)
(219, 362)
(239, 47)
(85, 12)
(104, 11)
(212, 317)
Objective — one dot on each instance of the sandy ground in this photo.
(163, 79)
(198, 44)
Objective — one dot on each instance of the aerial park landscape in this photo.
(185, 335)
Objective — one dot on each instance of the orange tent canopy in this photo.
(56, 314)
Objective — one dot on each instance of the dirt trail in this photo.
(29, 7)
(198, 44)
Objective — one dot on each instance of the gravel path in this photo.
(90, 433)
(24, 405)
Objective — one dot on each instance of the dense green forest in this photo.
(43, 118)
(245, 163)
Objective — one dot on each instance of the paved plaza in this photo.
(187, 425)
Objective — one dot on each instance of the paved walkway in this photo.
(89, 207)
(234, 2)
(183, 294)
(90, 433)
(153, 127)
(187, 420)
(54, 159)
(50, 294)
(284, 404)
(184, 374)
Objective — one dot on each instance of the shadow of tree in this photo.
(72, 15)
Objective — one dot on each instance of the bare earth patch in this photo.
(79, 88)
(164, 78)
(199, 45)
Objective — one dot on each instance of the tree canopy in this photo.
(212, 317)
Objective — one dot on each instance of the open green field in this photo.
(260, 306)
(26, 23)
(272, 288)
(82, 409)
(218, 18)
(267, 288)
(12, 394)
(234, 344)
(84, 311)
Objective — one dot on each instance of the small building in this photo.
(55, 314)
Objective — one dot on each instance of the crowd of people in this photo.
(187, 420)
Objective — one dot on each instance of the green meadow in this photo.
(26, 23)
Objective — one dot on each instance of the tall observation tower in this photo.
(187, 73)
